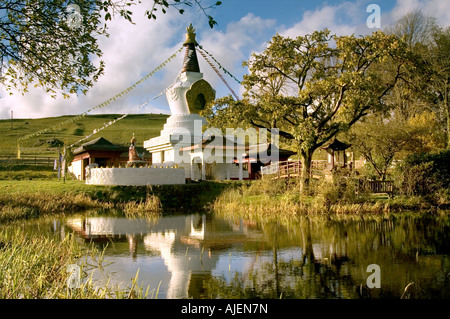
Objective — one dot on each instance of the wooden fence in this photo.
(27, 160)
(292, 169)
(377, 186)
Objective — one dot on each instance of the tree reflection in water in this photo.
(335, 255)
(217, 256)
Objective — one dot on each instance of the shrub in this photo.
(266, 187)
(339, 190)
(424, 174)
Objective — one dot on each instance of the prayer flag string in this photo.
(220, 65)
(218, 73)
(125, 115)
(105, 103)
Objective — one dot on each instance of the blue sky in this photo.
(287, 12)
(244, 27)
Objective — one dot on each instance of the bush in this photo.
(424, 174)
(267, 187)
(339, 190)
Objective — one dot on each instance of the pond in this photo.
(207, 256)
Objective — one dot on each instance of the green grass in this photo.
(24, 199)
(278, 202)
(35, 266)
(144, 126)
(10, 171)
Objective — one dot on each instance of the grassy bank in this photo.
(25, 199)
(28, 199)
(278, 200)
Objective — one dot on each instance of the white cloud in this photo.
(129, 53)
(403, 7)
(341, 19)
(439, 9)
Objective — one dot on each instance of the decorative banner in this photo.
(218, 73)
(107, 102)
(220, 65)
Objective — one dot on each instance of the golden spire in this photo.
(190, 63)
(190, 35)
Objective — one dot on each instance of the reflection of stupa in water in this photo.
(181, 259)
(189, 245)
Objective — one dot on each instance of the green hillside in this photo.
(144, 126)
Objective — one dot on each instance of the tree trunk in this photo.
(447, 111)
(306, 158)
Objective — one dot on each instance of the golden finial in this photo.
(190, 35)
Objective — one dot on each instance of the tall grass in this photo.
(36, 267)
(279, 200)
(150, 209)
(14, 206)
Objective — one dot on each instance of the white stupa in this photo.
(188, 96)
(181, 141)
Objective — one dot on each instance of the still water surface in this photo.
(206, 256)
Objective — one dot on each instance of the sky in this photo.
(244, 27)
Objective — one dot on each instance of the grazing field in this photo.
(144, 126)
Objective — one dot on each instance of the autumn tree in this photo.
(381, 139)
(439, 60)
(312, 87)
(427, 90)
(53, 43)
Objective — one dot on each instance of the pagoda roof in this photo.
(99, 144)
(337, 145)
(268, 148)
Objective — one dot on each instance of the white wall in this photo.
(76, 169)
(136, 176)
(157, 157)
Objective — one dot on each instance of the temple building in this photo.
(104, 153)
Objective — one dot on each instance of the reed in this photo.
(36, 267)
(150, 209)
(14, 206)
(257, 202)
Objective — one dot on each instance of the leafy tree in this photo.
(430, 89)
(314, 86)
(381, 139)
(52, 43)
(440, 81)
